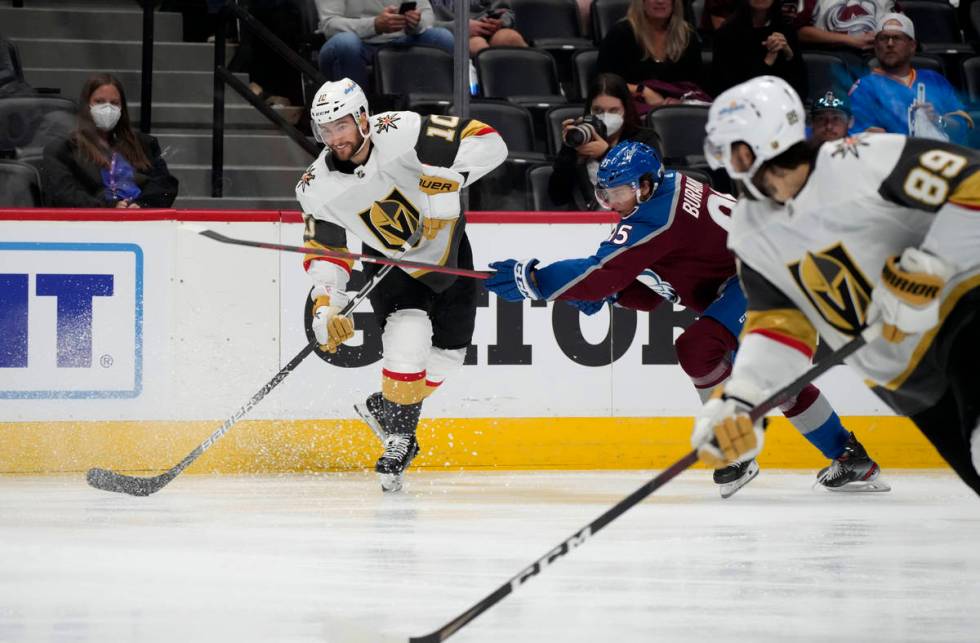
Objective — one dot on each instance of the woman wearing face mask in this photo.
(105, 163)
(574, 177)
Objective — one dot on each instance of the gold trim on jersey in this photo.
(785, 321)
(418, 274)
(967, 193)
(927, 338)
(392, 219)
(473, 127)
(309, 243)
(437, 184)
(836, 286)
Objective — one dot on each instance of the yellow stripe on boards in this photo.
(267, 446)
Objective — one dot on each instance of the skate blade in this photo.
(362, 410)
(870, 486)
(729, 489)
(391, 482)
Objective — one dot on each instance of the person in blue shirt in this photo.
(889, 99)
(830, 119)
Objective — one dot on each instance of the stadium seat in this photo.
(584, 71)
(10, 52)
(606, 13)
(554, 118)
(681, 131)
(697, 175)
(550, 24)
(521, 75)
(825, 72)
(538, 199)
(514, 124)
(28, 123)
(20, 185)
(416, 73)
(971, 80)
(936, 27)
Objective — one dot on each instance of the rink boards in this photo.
(124, 341)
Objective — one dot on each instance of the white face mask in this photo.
(105, 115)
(612, 121)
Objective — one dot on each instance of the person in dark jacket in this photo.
(574, 177)
(104, 163)
(757, 41)
(653, 42)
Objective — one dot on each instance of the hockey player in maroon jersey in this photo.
(671, 246)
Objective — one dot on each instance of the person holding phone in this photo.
(492, 23)
(356, 28)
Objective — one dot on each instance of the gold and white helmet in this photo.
(765, 113)
(335, 100)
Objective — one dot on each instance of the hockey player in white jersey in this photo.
(874, 229)
(380, 177)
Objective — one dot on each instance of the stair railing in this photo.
(224, 77)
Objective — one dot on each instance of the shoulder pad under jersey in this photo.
(394, 133)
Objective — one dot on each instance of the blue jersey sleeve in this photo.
(619, 259)
(862, 107)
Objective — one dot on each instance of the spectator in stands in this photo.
(356, 28)
(848, 26)
(574, 177)
(653, 42)
(492, 23)
(104, 163)
(830, 118)
(756, 41)
(899, 99)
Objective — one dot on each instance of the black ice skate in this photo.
(853, 470)
(371, 411)
(400, 450)
(735, 476)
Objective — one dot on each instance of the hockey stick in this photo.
(578, 538)
(139, 486)
(336, 254)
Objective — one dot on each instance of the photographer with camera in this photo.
(492, 23)
(610, 117)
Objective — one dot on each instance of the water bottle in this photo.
(474, 82)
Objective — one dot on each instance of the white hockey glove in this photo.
(330, 329)
(442, 185)
(723, 433)
(906, 299)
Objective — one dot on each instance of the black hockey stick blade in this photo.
(107, 480)
(336, 254)
(665, 476)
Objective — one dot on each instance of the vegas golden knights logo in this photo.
(835, 286)
(392, 219)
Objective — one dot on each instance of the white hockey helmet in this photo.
(335, 100)
(765, 113)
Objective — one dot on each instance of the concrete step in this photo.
(194, 116)
(235, 203)
(116, 54)
(127, 5)
(89, 24)
(168, 86)
(239, 149)
(261, 181)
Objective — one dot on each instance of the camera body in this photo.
(588, 128)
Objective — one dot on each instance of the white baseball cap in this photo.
(897, 22)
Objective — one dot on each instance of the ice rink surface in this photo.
(328, 558)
